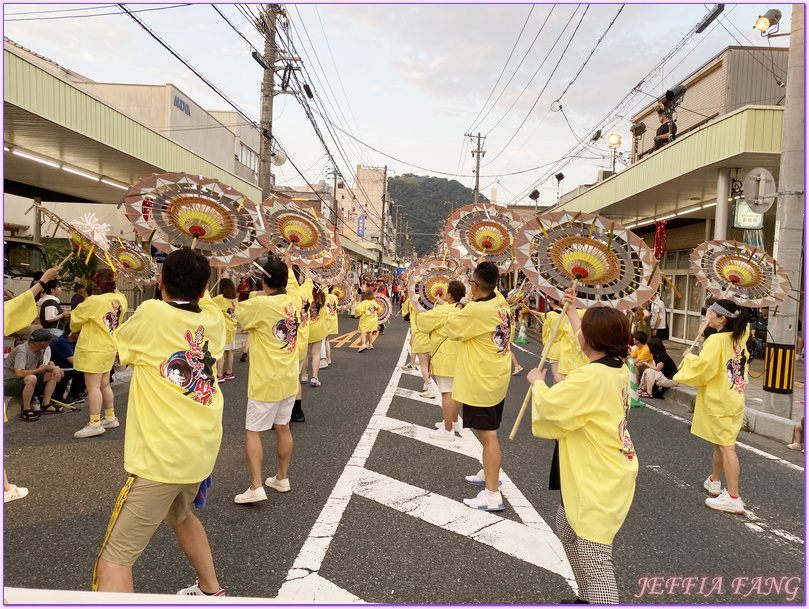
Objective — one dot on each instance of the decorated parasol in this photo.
(750, 276)
(430, 281)
(333, 272)
(614, 266)
(386, 308)
(602, 261)
(175, 210)
(484, 229)
(292, 225)
(518, 294)
(344, 295)
(88, 235)
(133, 260)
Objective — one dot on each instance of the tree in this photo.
(75, 270)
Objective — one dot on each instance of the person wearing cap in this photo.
(665, 132)
(25, 373)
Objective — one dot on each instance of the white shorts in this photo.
(444, 383)
(230, 346)
(657, 379)
(261, 416)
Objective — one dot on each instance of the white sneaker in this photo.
(110, 423)
(195, 591)
(89, 430)
(251, 495)
(795, 446)
(713, 487)
(725, 503)
(15, 492)
(328, 362)
(480, 480)
(304, 379)
(443, 435)
(456, 425)
(427, 393)
(409, 367)
(282, 486)
(361, 349)
(324, 363)
(491, 502)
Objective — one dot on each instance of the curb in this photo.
(755, 421)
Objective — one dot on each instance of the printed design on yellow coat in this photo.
(286, 330)
(735, 370)
(112, 318)
(314, 314)
(502, 333)
(332, 309)
(193, 369)
(231, 311)
(623, 433)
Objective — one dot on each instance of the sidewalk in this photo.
(756, 421)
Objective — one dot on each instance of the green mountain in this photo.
(426, 203)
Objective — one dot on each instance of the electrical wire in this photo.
(234, 28)
(503, 71)
(143, 10)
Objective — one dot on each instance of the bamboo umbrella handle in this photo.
(545, 351)
(68, 257)
(702, 327)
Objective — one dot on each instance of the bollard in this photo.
(634, 402)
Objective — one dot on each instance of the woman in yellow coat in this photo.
(421, 348)
(367, 310)
(719, 374)
(597, 465)
(332, 327)
(95, 320)
(317, 331)
(226, 301)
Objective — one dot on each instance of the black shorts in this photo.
(483, 418)
(662, 333)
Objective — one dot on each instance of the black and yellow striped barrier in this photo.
(779, 368)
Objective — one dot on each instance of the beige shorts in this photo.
(261, 416)
(658, 378)
(147, 505)
(444, 383)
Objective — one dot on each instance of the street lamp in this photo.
(768, 20)
(614, 140)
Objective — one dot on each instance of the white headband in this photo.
(720, 310)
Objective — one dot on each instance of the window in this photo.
(248, 158)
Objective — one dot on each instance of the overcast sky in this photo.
(411, 80)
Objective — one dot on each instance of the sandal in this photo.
(643, 394)
(56, 409)
(29, 415)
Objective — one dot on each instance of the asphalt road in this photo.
(374, 514)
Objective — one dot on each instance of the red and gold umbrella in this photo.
(344, 295)
(175, 210)
(88, 235)
(430, 281)
(483, 229)
(133, 260)
(608, 263)
(386, 308)
(732, 269)
(333, 272)
(292, 225)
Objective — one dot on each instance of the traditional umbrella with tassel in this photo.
(604, 262)
(732, 269)
(175, 210)
(333, 272)
(292, 226)
(486, 229)
(88, 236)
(133, 260)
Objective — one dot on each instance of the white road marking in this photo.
(532, 540)
(754, 522)
(414, 395)
(752, 449)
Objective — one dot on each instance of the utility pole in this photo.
(267, 25)
(477, 153)
(338, 212)
(396, 234)
(788, 241)
(384, 217)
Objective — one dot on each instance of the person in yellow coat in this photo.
(272, 321)
(368, 311)
(482, 376)
(96, 319)
(226, 301)
(597, 465)
(549, 320)
(317, 331)
(306, 290)
(720, 376)
(332, 324)
(173, 424)
(407, 315)
(571, 355)
(421, 348)
(443, 357)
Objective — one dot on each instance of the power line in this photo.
(143, 10)
(64, 10)
(234, 28)
(503, 71)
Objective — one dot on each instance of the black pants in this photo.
(75, 389)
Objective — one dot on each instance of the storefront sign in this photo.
(744, 217)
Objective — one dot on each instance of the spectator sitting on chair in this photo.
(51, 313)
(62, 355)
(79, 296)
(656, 377)
(25, 374)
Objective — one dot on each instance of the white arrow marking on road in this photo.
(545, 549)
